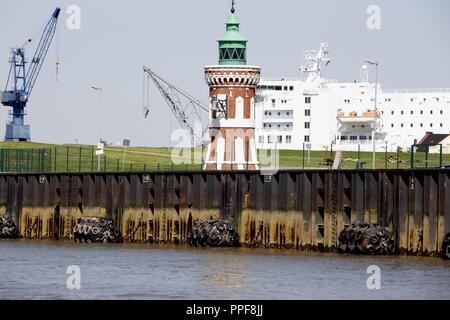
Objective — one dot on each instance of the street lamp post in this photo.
(99, 148)
(372, 62)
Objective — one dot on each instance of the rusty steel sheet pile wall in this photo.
(304, 209)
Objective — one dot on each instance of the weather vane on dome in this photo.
(232, 6)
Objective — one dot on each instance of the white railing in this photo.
(420, 90)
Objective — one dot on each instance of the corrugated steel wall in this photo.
(297, 208)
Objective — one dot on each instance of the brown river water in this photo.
(38, 270)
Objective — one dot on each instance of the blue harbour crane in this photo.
(21, 81)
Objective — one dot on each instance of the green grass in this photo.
(42, 157)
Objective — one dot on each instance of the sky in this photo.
(177, 38)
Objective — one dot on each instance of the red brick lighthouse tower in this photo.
(232, 87)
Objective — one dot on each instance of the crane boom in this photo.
(17, 92)
(41, 51)
(185, 114)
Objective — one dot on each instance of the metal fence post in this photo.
(79, 161)
(303, 156)
(398, 157)
(92, 158)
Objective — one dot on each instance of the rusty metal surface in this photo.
(293, 208)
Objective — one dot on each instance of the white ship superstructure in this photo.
(315, 112)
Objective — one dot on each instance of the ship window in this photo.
(269, 140)
(362, 126)
(437, 99)
(278, 88)
(273, 102)
(306, 125)
(271, 87)
(440, 112)
(306, 138)
(392, 112)
(278, 126)
(431, 111)
(440, 125)
(265, 113)
(401, 112)
(362, 138)
(401, 125)
(353, 138)
(370, 137)
(412, 125)
(412, 112)
(291, 88)
(287, 113)
(392, 125)
(307, 99)
(279, 113)
(287, 126)
(382, 112)
(307, 112)
(270, 113)
(344, 138)
(424, 99)
(280, 139)
(421, 125)
(270, 126)
(285, 88)
(431, 125)
(421, 111)
(288, 139)
(261, 139)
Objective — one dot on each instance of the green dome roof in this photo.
(232, 45)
